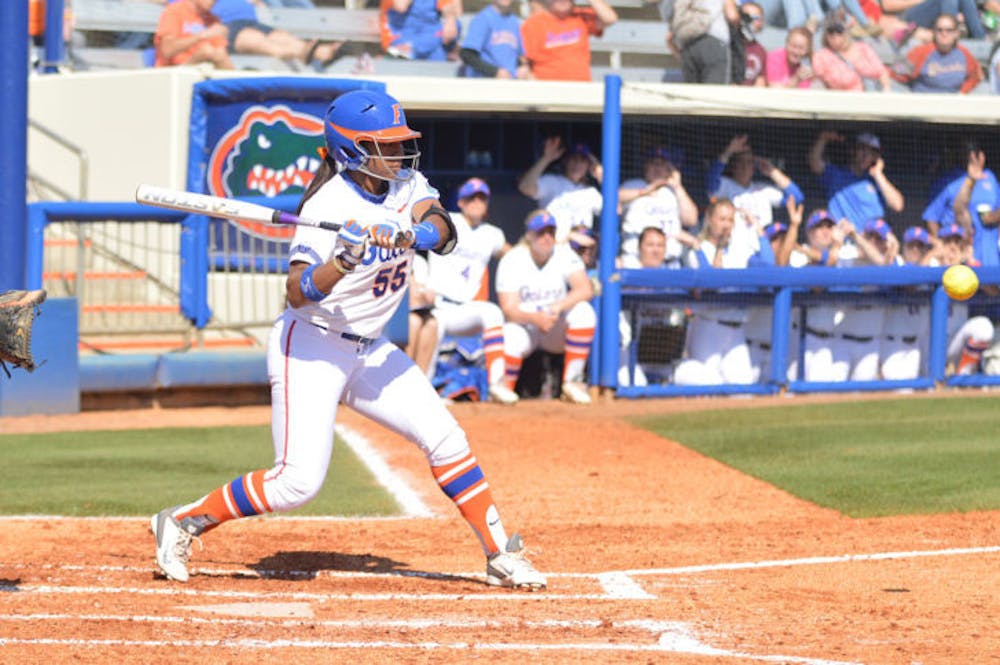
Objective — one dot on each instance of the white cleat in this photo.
(575, 393)
(173, 545)
(501, 394)
(510, 568)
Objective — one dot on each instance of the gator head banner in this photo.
(262, 150)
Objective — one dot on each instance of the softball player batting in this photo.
(458, 277)
(327, 347)
(545, 294)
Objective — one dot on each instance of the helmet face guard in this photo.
(359, 127)
(403, 166)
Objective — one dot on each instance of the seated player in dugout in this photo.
(460, 280)
(545, 295)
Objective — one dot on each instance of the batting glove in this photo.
(350, 245)
(384, 234)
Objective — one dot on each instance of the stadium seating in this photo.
(634, 47)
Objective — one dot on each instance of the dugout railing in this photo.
(785, 291)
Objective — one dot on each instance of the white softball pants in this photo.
(520, 341)
(311, 371)
(717, 354)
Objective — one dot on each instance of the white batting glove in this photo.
(350, 245)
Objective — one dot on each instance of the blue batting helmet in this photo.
(360, 121)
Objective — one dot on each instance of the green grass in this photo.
(138, 472)
(864, 459)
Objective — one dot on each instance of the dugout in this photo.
(471, 127)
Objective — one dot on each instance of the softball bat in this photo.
(217, 206)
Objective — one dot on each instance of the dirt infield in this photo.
(655, 554)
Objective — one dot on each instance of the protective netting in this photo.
(838, 328)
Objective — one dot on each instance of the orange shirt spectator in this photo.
(188, 33)
(557, 38)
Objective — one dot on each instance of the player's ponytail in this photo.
(324, 174)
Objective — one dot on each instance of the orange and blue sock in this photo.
(242, 497)
(578, 341)
(464, 483)
(493, 353)
(512, 369)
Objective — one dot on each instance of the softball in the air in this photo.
(960, 282)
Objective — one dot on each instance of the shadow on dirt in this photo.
(9, 585)
(309, 565)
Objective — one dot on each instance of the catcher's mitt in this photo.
(17, 316)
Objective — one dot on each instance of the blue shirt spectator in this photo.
(861, 191)
(492, 48)
(420, 29)
(975, 203)
(234, 10)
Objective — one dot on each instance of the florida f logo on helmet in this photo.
(366, 131)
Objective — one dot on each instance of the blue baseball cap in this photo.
(870, 140)
(580, 149)
(774, 229)
(672, 154)
(472, 187)
(917, 234)
(818, 217)
(951, 231)
(540, 220)
(582, 237)
(879, 227)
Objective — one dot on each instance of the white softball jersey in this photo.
(660, 210)
(570, 203)
(457, 276)
(363, 301)
(537, 286)
(758, 200)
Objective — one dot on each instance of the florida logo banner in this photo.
(260, 150)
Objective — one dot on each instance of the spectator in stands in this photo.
(188, 33)
(717, 351)
(861, 191)
(731, 177)
(859, 24)
(793, 13)
(557, 38)
(942, 66)
(897, 31)
(248, 36)
(970, 160)
(994, 68)
(789, 66)
(291, 4)
(924, 13)
(749, 55)
(657, 199)
(845, 64)
(420, 29)
(700, 33)
(977, 208)
(492, 47)
(569, 196)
